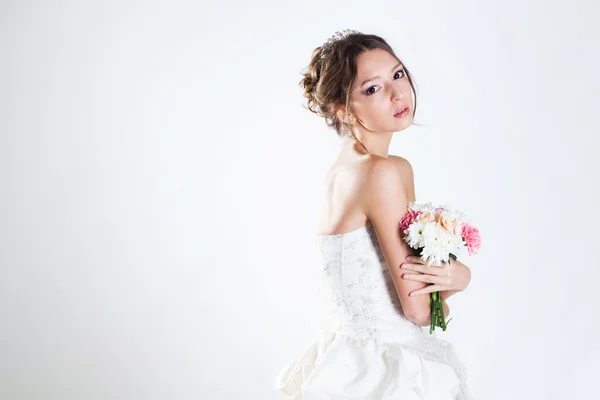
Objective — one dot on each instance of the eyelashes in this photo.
(368, 92)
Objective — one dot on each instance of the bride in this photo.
(375, 347)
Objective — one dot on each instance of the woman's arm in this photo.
(385, 202)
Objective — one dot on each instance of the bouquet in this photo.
(440, 233)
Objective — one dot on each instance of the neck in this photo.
(376, 142)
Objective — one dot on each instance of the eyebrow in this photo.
(375, 77)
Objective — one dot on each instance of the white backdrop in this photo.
(159, 182)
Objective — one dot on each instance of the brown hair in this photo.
(328, 81)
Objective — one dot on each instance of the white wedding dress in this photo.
(371, 350)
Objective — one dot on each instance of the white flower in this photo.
(415, 234)
(438, 244)
(454, 244)
(421, 207)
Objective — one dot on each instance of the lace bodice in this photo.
(370, 350)
(364, 300)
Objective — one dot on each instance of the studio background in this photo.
(160, 181)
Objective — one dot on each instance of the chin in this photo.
(401, 125)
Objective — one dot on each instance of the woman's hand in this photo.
(452, 276)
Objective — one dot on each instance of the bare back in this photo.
(342, 204)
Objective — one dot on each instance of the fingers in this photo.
(427, 290)
(438, 264)
(425, 269)
(418, 268)
(419, 261)
(440, 280)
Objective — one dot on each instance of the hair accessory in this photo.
(339, 35)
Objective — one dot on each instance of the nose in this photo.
(396, 94)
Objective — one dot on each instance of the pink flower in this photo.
(471, 235)
(408, 219)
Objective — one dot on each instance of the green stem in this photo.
(432, 312)
(437, 308)
(438, 319)
(442, 316)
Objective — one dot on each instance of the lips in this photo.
(399, 110)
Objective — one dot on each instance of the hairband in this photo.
(339, 35)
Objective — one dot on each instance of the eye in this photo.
(400, 72)
(369, 91)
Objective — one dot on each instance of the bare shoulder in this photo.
(393, 170)
(378, 168)
(381, 169)
(403, 164)
(408, 175)
(381, 176)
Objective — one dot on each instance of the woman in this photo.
(375, 347)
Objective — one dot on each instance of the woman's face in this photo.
(381, 91)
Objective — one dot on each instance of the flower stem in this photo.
(432, 312)
(437, 312)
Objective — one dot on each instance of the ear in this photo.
(340, 112)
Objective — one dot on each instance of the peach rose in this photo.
(425, 217)
(438, 211)
(448, 222)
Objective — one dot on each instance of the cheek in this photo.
(373, 108)
(372, 113)
(407, 90)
